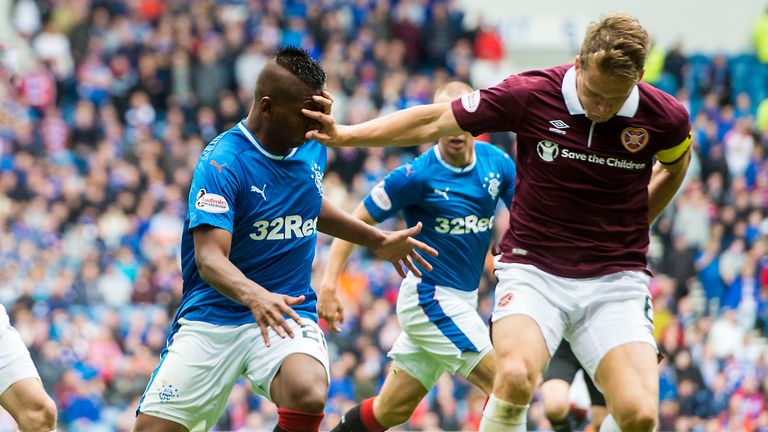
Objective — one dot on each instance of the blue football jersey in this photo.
(270, 204)
(455, 205)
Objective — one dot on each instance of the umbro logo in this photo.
(558, 126)
(260, 191)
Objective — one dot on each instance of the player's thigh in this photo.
(528, 309)
(293, 372)
(484, 373)
(192, 382)
(399, 396)
(150, 423)
(629, 378)
(614, 310)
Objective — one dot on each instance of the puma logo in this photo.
(442, 193)
(260, 191)
(218, 167)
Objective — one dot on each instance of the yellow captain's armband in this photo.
(672, 155)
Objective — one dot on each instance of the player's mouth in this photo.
(457, 142)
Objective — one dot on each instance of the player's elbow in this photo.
(204, 266)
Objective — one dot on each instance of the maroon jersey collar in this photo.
(629, 109)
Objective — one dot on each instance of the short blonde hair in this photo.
(617, 44)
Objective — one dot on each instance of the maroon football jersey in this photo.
(581, 201)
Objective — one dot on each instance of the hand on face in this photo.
(328, 133)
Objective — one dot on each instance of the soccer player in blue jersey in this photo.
(255, 207)
(453, 190)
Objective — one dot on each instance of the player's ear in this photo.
(266, 105)
(577, 62)
(640, 78)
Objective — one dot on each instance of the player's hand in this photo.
(269, 308)
(399, 247)
(329, 130)
(329, 307)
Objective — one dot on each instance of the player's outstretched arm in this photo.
(397, 247)
(665, 181)
(416, 125)
(329, 305)
(212, 246)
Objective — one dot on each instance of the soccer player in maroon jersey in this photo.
(600, 154)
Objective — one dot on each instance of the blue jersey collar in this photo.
(259, 147)
(455, 168)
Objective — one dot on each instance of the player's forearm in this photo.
(341, 250)
(664, 184)
(220, 273)
(338, 255)
(412, 126)
(340, 224)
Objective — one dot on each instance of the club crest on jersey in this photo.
(471, 101)
(492, 183)
(634, 139)
(211, 203)
(317, 175)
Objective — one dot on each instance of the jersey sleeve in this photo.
(510, 177)
(213, 193)
(677, 131)
(399, 188)
(495, 109)
(671, 155)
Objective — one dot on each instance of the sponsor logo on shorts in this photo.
(505, 299)
(634, 139)
(471, 101)
(211, 203)
(168, 392)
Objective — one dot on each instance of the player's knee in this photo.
(517, 380)
(307, 397)
(38, 416)
(556, 409)
(636, 416)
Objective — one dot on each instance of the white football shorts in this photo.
(192, 383)
(15, 362)
(594, 314)
(441, 331)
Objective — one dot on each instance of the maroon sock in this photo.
(297, 421)
(367, 417)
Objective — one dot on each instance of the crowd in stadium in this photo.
(105, 107)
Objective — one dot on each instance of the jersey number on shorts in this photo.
(311, 332)
(649, 308)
